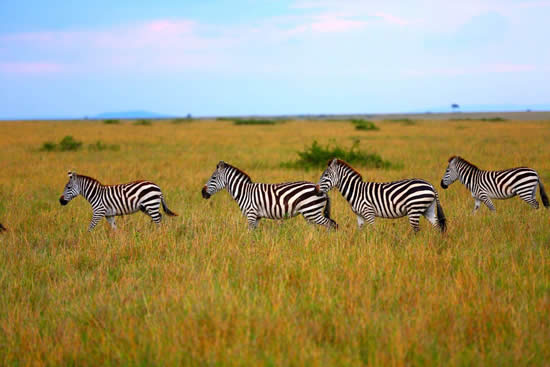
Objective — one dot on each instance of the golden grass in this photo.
(201, 289)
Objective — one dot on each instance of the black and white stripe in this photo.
(412, 197)
(111, 200)
(273, 201)
(487, 185)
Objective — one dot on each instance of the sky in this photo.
(251, 57)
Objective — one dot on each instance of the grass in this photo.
(202, 290)
(111, 122)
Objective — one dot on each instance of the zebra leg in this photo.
(96, 217)
(360, 221)
(430, 215)
(414, 219)
(530, 197)
(487, 201)
(253, 220)
(153, 212)
(318, 218)
(111, 220)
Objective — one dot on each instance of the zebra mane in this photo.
(88, 178)
(240, 171)
(341, 162)
(463, 160)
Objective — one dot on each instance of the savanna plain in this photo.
(200, 289)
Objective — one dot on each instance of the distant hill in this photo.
(130, 115)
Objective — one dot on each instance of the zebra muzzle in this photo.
(204, 193)
(62, 200)
(443, 185)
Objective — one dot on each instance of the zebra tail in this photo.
(543, 195)
(165, 207)
(441, 220)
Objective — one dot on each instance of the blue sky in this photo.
(71, 59)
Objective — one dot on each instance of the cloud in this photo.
(471, 70)
(30, 67)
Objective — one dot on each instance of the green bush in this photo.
(404, 121)
(493, 119)
(68, 143)
(317, 156)
(255, 122)
(142, 123)
(364, 125)
(48, 146)
(99, 146)
(111, 122)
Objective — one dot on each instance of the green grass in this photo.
(143, 123)
(111, 122)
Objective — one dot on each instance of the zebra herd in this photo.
(410, 197)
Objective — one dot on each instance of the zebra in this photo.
(272, 201)
(112, 200)
(487, 185)
(2, 228)
(411, 197)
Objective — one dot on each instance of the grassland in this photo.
(202, 290)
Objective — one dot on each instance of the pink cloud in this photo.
(30, 67)
(332, 25)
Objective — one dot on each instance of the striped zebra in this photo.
(412, 197)
(487, 185)
(273, 201)
(112, 200)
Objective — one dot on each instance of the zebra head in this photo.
(451, 173)
(217, 181)
(72, 189)
(330, 178)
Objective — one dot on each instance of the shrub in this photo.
(364, 125)
(142, 123)
(111, 122)
(493, 119)
(317, 156)
(48, 146)
(255, 122)
(99, 146)
(68, 143)
(404, 121)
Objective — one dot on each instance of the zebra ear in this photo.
(71, 173)
(332, 161)
(221, 164)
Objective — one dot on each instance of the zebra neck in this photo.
(349, 183)
(90, 189)
(238, 186)
(468, 174)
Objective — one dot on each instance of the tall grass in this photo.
(201, 290)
